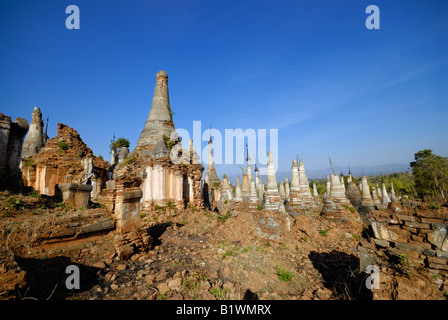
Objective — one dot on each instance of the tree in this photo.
(119, 143)
(431, 175)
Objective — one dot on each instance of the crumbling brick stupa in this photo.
(65, 159)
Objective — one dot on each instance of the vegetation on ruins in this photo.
(119, 143)
(430, 175)
(171, 121)
(28, 162)
(169, 143)
(62, 147)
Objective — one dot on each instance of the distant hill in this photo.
(320, 173)
(356, 171)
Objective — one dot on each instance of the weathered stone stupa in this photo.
(260, 192)
(245, 188)
(376, 200)
(272, 201)
(238, 196)
(337, 204)
(253, 199)
(34, 140)
(305, 186)
(286, 188)
(315, 194)
(353, 194)
(281, 191)
(160, 119)
(385, 201)
(393, 197)
(328, 185)
(226, 190)
(300, 194)
(367, 204)
(211, 177)
(162, 177)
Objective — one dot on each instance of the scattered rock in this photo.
(122, 267)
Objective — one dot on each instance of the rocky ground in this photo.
(178, 254)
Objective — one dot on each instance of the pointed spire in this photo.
(376, 200)
(393, 198)
(210, 176)
(161, 150)
(315, 194)
(328, 185)
(34, 139)
(272, 196)
(260, 192)
(366, 198)
(160, 121)
(295, 180)
(378, 191)
(336, 190)
(238, 197)
(253, 198)
(46, 131)
(353, 194)
(303, 180)
(249, 169)
(210, 141)
(385, 201)
(245, 188)
(281, 191)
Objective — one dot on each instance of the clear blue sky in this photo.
(310, 69)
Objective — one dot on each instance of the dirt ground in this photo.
(194, 255)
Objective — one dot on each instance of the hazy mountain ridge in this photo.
(356, 171)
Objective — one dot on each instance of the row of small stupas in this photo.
(295, 196)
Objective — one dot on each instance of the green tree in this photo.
(431, 175)
(119, 143)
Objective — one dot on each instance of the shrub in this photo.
(224, 217)
(29, 162)
(62, 145)
(284, 275)
(13, 202)
(170, 205)
(220, 293)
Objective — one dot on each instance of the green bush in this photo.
(62, 145)
(284, 275)
(224, 217)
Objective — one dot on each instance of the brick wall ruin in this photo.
(65, 159)
(12, 135)
(407, 246)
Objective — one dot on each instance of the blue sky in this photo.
(310, 69)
